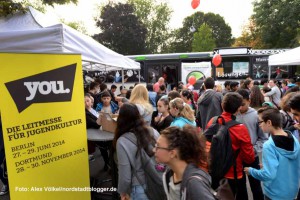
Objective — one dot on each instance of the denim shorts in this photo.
(138, 193)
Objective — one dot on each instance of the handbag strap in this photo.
(133, 169)
(275, 104)
(143, 164)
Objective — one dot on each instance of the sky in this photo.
(235, 12)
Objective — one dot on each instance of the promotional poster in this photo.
(42, 111)
(199, 70)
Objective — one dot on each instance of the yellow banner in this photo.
(44, 129)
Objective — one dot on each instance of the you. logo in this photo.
(51, 86)
(45, 88)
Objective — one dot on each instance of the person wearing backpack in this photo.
(239, 141)
(183, 150)
(132, 137)
(249, 117)
(280, 172)
(286, 115)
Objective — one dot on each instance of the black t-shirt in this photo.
(161, 125)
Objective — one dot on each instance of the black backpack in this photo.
(287, 120)
(222, 156)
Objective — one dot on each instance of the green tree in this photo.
(155, 16)
(221, 32)
(173, 44)
(251, 36)
(122, 30)
(59, 2)
(278, 21)
(203, 39)
(77, 26)
(8, 7)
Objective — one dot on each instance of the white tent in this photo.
(35, 32)
(291, 57)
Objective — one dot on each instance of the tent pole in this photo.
(269, 75)
(139, 76)
(122, 78)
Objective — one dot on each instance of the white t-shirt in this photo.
(174, 192)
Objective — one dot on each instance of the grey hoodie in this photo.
(191, 188)
(126, 152)
(250, 119)
(209, 105)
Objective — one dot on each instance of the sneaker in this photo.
(4, 190)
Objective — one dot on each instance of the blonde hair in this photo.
(139, 95)
(218, 88)
(185, 109)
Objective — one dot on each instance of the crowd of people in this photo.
(171, 126)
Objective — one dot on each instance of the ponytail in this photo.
(184, 109)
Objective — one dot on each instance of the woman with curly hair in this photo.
(132, 134)
(256, 97)
(183, 150)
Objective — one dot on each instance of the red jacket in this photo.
(240, 139)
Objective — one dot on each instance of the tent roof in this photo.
(290, 57)
(35, 32)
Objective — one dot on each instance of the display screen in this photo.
(233, 70)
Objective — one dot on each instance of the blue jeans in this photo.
(138, 193)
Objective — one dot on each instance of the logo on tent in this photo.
(51, 86)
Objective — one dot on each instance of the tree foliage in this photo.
(10, 7)
(59, 2)
(251, 36)
(77, 26)
(155, 16)
(278, 22)
(221, 32)
(203, 39)
(122, 30)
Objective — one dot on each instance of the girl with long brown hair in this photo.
(132, 134)
(256, 97)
